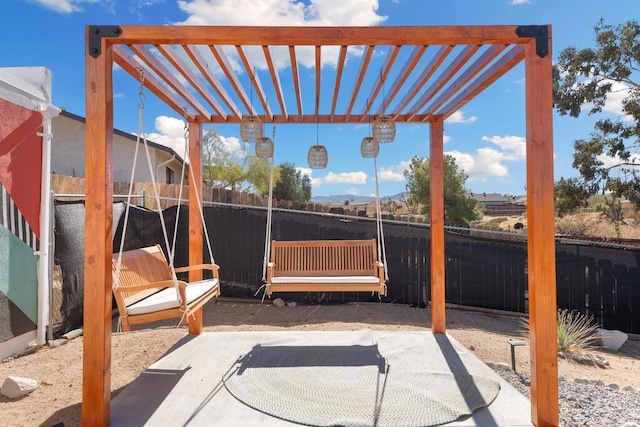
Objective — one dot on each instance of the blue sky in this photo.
(486, 136)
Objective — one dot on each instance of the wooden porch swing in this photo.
(324, 265)
(145, 285)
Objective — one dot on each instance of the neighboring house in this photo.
(499, 204)
(68, 153)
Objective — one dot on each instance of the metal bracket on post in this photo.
(540, 33)
(97, 32)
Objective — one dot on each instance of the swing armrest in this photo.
(380, 266)
(145, 286)
(271, 271)
(212, 267)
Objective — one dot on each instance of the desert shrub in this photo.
(494, 223)
(573, 226)
(576, 332)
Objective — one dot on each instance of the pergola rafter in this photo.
(430, 84)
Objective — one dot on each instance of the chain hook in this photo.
(141, 91)
(186, 123)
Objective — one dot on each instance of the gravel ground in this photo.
(589, 404)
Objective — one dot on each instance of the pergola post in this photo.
(436, 214)
(541, 236)
(195, 221)
(96, 362)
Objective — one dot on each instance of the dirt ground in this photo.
(59, 370)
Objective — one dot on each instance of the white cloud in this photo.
(394, 172)
(611, 162)
(483, 164)
(445, 139)
(340, 178)
(283, 13)
(619, 91)
(489, 162)
(64, 6)
(516, 2)
(170, 133)
(352, 191)
(305, 171)
(513, 147)
(458, 117)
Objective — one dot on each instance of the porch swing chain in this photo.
(116, 281)
(267, 240)
(142, 136)
(382, 252)
(197, 193)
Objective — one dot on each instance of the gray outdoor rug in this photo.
(366, 379)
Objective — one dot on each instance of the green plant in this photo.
(576, 332)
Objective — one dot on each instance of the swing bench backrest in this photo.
(325, 266)
(139, 267)
(146, 291)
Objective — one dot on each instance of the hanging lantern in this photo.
(264, 148)
(369, 147)
(318, 157)
(250, 128)
(384, 129)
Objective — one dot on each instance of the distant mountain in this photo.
(323, 200)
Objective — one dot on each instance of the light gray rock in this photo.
(581, 381)
(596, 381)
(15, 387)
(628, 389)
(611, 340)
(613, 386)
(278, 302)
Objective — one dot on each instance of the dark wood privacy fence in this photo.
(483, 269)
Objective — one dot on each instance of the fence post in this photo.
(144, 194)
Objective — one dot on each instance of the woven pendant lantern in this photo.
(318, 157)
(250, 128)
(369, 148)
(384, 129)
(264, 148)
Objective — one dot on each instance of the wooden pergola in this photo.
(431, 72)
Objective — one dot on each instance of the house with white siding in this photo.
(68, 153)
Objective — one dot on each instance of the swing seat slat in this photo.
(325, 266)
(146, 291)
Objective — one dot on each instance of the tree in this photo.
(609, 160)
(292, 184)
(460, 206)
(233, 169)
(389, 206)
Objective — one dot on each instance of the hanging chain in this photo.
(186, 124)
(251, 91)
(384, 102)
(141, 91)
(273, 133)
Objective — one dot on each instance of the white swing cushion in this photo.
(167, 299)
(324, 279)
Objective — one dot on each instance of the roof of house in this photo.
(491, 198)
(127, 135)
